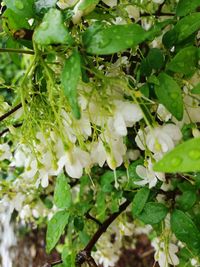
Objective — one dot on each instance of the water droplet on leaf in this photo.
(194, 154)
(19, 4)
(176, 161)
(174, 95)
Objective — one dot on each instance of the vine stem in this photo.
(10, 112)
(19, 51)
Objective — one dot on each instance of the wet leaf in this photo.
(62, 194)
(55, 229)
(180, 62)
(183, 158)
(52, 30)
(169, 94)
(185, 7)
(185, 229)
(69, 78)
(113, 39)
(153, 213)
(139, 200)
(21, 7)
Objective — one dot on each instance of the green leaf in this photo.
(180, 62)
(185, 229)
(44, 4)
(183, 158)
(21, 7)
(185, 7)
(196, 89)
(114, 39)
(62, 194)
(87, 4)
(153, 213)
(169, 94)
(55, 228)
(155, 58)
(187, 200)
(52, 30)
(69, 79)
(15, 21)
(139, 200)
(187, 26)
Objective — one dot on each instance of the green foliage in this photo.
(153, 212)
(169, 94)
(62, 194)
(116, 38)
(184, 158)
(52, 30)
(21, 7)
(69, 78)
(186, 200)
(140, 200)
(185, 7)
(180, 62)
(196, 89)
(185, 229)
(55, 229)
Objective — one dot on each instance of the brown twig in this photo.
(10, 112)
(85, 254)
(88, 216)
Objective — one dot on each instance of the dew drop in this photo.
(194, 154)
(18, 4)
(174, 95)
(176, 161)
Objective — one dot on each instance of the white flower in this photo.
(111, 151)
(5, 152)
(133, 12)
(126, 115)
(148, 175)
(160, 139)
(74, 161)
(63, 4)
(165, 253)
(163, 113)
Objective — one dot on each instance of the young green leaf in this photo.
(155, 58)
(169, 94)
(187, 26)
(62, 194)
(183, 158)
(52, 30)
(55, 229)
(87, 4)
(185, 7)
(180, 62)
(23, 8)
(139, 200)
(113, 39)
(196, 89)
(69, 78)
(153, 213)
(185, 229)
(186, 200)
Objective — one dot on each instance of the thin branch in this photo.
(162, 14)
(10, 112)
(7, 129)
(88, 216)
(19, 51)
(104, 226)
(159, 10)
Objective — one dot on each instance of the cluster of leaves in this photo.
(41, 28)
